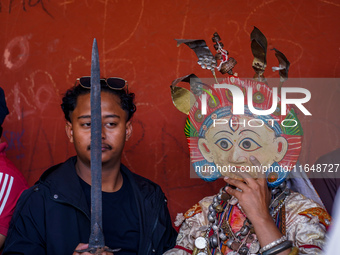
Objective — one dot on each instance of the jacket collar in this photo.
(64, 185)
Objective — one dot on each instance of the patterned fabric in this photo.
(193, 211)
(306, 232)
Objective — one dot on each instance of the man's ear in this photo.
(203, 147)
(69, 131)
(282, 147)
(128, 129)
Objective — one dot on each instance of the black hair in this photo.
(1, 131)
(72, 94)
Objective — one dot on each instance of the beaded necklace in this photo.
(218, 236)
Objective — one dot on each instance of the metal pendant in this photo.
(235, 246)
(211, 218)
(250, 238)
(229, 242)
(244, 230)
(275, 203)
(200, 243)
(243, 250)
(213, 241)
(233, 201)
(225, 197)
(254, 247)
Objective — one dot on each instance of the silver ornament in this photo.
(282, 185)
(223, 237)
(229, 243)
(275, 203)
(274, 191)
(214, 227)
(243, 250)
(211, 218)
(233, 201)
(200, 243)
(254, 247)
(244, 230)
(214, 205)
(213, 241)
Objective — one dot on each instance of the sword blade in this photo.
(96, 237)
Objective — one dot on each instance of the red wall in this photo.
(46, 45)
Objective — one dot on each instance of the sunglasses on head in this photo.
(112, 82)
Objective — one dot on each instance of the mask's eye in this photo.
(249, 144)
(224, 144)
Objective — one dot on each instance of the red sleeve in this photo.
(11, 188)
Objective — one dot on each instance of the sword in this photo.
(96, 241)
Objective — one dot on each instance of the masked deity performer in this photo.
(258, 211)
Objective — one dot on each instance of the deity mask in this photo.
(221, 142)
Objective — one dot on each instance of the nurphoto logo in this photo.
(238, 100)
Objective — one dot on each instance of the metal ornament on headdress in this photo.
(205, 58)
(96, 241)
(182, 98)
(259, 50)
(282, 68)
(227, 63)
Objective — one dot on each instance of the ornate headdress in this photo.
(219, 103)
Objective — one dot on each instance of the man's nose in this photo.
(103, 132)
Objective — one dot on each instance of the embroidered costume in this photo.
(305, 224)
(228, 122)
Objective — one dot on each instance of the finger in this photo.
(254, 161)
(246, 177)
(233, 192)
(261, 174)
(238, 184)
(81, 246)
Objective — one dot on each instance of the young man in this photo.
(12, 182)
(53, 217)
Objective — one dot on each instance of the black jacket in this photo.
(53, 217)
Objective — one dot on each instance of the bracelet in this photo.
(274, 243)
(294, 251)
(279, 248)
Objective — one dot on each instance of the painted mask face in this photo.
(230, 143)
(220, 146)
